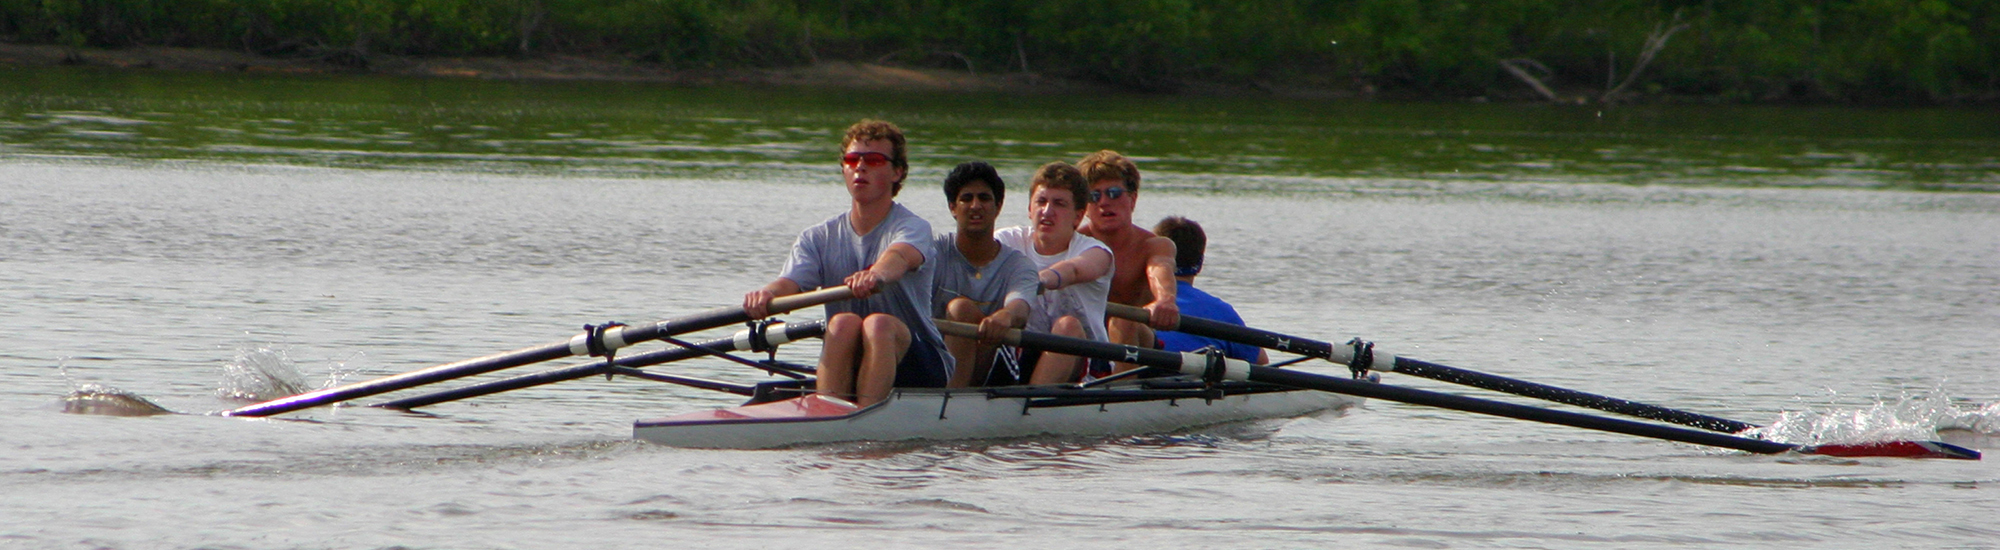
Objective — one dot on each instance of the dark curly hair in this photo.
(970, 172)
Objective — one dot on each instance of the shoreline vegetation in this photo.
(1864, 52)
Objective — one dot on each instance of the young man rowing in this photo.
(1190, 245)
(1075, 270)
(981, 281)
(1144, 275)
(883, 337)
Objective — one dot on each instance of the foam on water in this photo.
(260, 374)
(1911, 417)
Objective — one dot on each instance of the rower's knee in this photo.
(1068, 326)
(885, 328)
(1143, 337)
(964, 310)
(1129, 332)
(843, 327)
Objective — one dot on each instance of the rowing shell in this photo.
(984, 413)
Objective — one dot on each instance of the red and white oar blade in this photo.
(1899, 449)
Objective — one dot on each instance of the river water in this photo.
(187, 237)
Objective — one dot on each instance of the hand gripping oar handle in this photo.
(1344, 355)
(610, 338)
(1233, 369)
(775, 334)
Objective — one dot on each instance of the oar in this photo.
(1217, 367)
(595, 341)
(774, 334)
(1344, 354)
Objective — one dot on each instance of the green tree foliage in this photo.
(1877, 50)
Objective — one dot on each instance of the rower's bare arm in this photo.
(1164, 313)
(1011, 316)
(757, 303)
(890, 267)
(1089, 266)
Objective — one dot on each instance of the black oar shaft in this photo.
(613, 338)
(1404, 365)
(1299, 379)
(777, 333)
(1413, 367)
(1192, 364)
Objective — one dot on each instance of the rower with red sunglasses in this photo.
(1143, 263)
(883, 337)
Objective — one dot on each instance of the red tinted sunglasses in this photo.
(870, 157)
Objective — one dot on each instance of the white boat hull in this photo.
(937, 414)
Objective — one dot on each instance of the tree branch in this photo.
(1514, 67)
(1654, 43)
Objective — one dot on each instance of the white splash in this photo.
(260, 374)
(339, 371)
(263, 374)
(1916, 417)
(1983, 421)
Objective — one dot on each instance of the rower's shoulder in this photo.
(1119, 239)
(1159, 246)
(1138, 239)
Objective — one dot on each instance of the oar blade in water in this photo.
(1897, 449)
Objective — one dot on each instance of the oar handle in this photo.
(608, 339)
(784, 304)
(949, 327)
(1132, 313)
(1243, 335)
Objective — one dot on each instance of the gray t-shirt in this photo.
(1009, 276)
(827, 253)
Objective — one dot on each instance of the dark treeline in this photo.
(1809, 50)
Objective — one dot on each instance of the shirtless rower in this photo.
(1144, 272)
(1075, 270)
(884, 336)
(980, 281)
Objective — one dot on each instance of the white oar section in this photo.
(776, 334)
(1227, 368)
(612, 339)
(594, 341)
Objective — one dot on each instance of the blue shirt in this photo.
(1196, 303)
